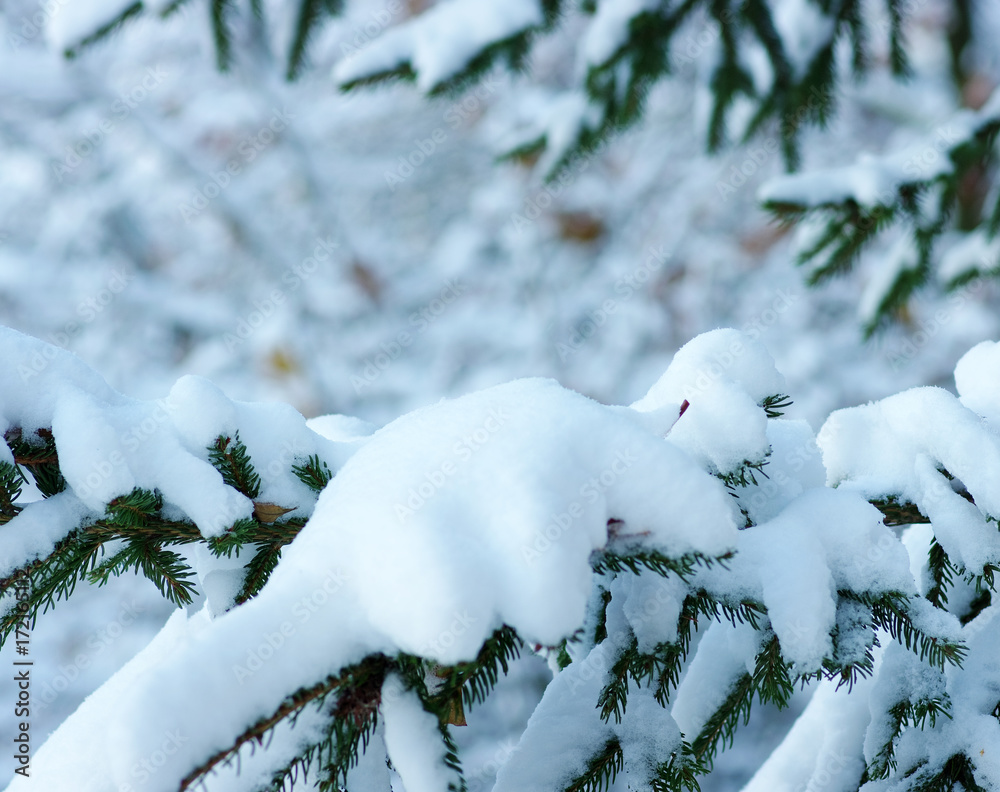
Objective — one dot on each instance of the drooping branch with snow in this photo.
(767, 61)
(923, 190)
(676, 560)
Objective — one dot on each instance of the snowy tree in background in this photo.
(677, 561)
(770, 68)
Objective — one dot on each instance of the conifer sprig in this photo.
(11, 480)
(314, 473)
(38, 454)
(230, 457)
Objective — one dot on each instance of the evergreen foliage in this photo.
(137, 532)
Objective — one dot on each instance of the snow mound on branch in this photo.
(822, 541)
(794, 466)
(976, 377)
(902, 446)
(413, 741)
(109, 444)
(830, 742)
(495, 502)
(724, 376)
(38, 529)
(823, 749)
(445, 524)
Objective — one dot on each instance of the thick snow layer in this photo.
(109, 444)
(566, 730)
(413, 741)
(474, 512)
(823, 541)
(725, 653)
(41, 525)
(976, 378)
(794, 466)
(496, 501)
(78, 755)
(724, 376)
(651, 605)
(441, 42)
(823, 749)
(898, 446)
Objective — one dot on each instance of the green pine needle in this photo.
(230, 457)
(314, 473)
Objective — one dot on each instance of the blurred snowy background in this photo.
(160, 218)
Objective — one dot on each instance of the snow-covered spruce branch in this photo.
(918, 188)
(676, 560)
(623, 48)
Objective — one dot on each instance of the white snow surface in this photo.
(723, 375)
(976, 376)
(446, 523)
(412, 740)
(899, 446)
(566, 730)
(824, 540)
(109, 444)
(823, 748)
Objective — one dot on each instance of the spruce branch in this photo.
(106, 29)
(891, 611)
(219, 11)
(11, 480)
(899, 513)
(721, 726)
(775, 406)
(903, 714)
(942, 573)
(602, 770)
(230, 457)
(38, 454)
(635, 560)
(745, 475)
(679, 772)
(468, 684)
(314, 473)
(310, 14)
(135, 519)
(51, 579)
(359, 688)
(956, 773)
